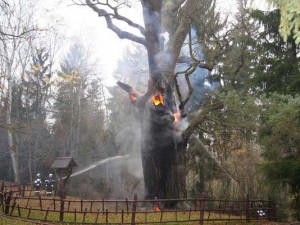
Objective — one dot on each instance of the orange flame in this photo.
(156, 208)
(134, 95)
(158, 99)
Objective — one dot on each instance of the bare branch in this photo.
(130, 23)
(20, 35)
(121, 33)
(191, 89)
(202, 65)
(186, 73)
(5, 3)
(194, 63)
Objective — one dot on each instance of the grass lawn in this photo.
(16, 221)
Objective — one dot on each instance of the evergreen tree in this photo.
(279, 137)
(276, 65)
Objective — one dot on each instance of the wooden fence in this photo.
(16, 201)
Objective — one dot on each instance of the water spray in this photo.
(98, 163)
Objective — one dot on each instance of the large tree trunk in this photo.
(159, 155)
(12, 147)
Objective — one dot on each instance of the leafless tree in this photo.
(16, 33)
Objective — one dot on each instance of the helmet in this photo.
(38, 175)
(50, 175)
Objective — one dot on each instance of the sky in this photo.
(82, 23)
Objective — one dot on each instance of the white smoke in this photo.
(165, 37)
(179, 127)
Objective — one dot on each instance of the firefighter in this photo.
(37, 184)
(49, 184)
(260, 211)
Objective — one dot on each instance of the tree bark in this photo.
(12, 148)
(159, 155)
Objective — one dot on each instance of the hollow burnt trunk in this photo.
(162, 154)
(159, 157)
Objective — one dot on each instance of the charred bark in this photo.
(159, 155)
(162, 147)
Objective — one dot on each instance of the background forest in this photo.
(55, 103)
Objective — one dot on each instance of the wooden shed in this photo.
(63, 167)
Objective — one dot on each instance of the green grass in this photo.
(15, 221)
(151, 218)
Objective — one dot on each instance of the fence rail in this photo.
(16, 201)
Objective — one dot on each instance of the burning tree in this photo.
(162, 106)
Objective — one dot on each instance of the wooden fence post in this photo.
(84, 214)
(247, 204)
(40, 200)
(23, 190)
(19, 190)
(106, 216)
(69, 203)
(103, 206)
(7, 203)
(2, 187)
(27, 202)
(54, 207)
(127, 206)
(134, 204)
(46, 215)
(75, 215)
(19, 210)
(61, 211)
(12, 208)
(28, 215)
(96, 220)
(91, 208)
(202, 207)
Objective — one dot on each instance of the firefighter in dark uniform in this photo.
(49, 183)
(37, 184)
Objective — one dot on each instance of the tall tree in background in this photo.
(277, 75)
(74, 75)
(289, 19)
(16, 21)
(32, 97)
(79, 105)
(276, 66)
(279, 137)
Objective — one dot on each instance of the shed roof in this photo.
(63, 163)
